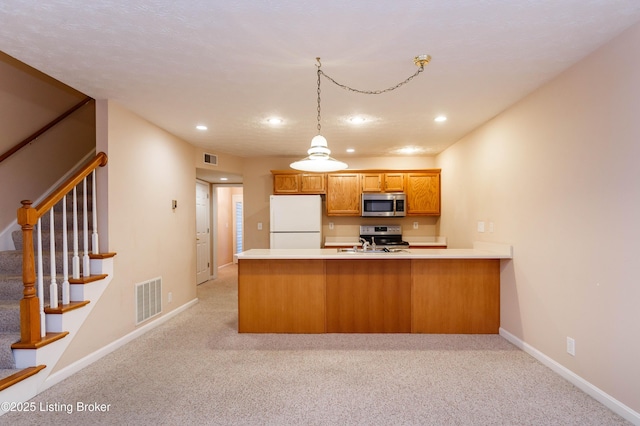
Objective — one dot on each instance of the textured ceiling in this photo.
(232, 64)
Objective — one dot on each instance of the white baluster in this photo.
(76, 258)
(53, 287)
(40, 282)
(65, 254)
(94, 241)
(85, 232)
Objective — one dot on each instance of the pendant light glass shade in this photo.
(318, 159)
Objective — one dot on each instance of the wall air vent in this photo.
(148, 299)
(211, 159)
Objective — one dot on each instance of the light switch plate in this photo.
(480, 226)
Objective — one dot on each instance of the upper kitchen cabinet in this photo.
(382, 182)
(298, 183)
(312, 183)
(288, 183)
(423, 193)
(343, 194)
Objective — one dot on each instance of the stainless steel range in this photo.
(383, 235)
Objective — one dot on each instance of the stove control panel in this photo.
(380, 230)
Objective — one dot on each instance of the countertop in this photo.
(480, 250)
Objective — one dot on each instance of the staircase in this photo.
(19, 360)
(10, 294)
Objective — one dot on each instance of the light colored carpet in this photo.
(196, 369)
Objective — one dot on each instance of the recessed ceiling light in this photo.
(224, 178)
(440, 118)
(201, 127)
(409, 150)
(357, 120)
(274, 120)
(351, 150)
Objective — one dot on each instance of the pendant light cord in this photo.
(319, 72)
(420, 62)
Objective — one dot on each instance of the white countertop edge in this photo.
(504, 249)
(496, 252)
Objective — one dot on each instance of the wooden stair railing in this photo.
(44, 129)
(30, 322)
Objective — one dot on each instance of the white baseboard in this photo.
(68, 371)
(596, 393)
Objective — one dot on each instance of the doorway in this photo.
(229, 224)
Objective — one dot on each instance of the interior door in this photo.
(202, 233)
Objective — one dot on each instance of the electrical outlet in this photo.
(415, 225)
(169, 297)
(571, 346)
(259, 226)
(330, 225)
(480, 226)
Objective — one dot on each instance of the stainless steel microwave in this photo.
(389, 204)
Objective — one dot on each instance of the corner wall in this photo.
(147, 168)
(558, 176)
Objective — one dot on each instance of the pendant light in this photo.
(318, 159)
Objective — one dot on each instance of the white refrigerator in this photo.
(295, 221)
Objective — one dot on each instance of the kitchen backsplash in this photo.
(336, 226)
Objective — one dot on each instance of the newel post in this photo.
(29, 305)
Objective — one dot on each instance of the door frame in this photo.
(209, 234)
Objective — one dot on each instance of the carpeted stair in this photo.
(11, 286)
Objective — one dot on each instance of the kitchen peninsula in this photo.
(328, 291)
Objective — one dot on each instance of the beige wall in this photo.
(558, 175)
(226, 163)
(258, 186)
(28, 101)
(147, 168)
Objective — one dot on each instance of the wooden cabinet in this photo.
(344, 189)
(343, 194)
(423, 193)
(286, 183)
(368, 296)
(298, 183)
(312, 183)
(394, 182)
(460, 296)
(418, 295)
(382, 182)
(371, 182)
(281, 296)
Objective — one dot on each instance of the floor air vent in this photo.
(148, 299)
(211, 159)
